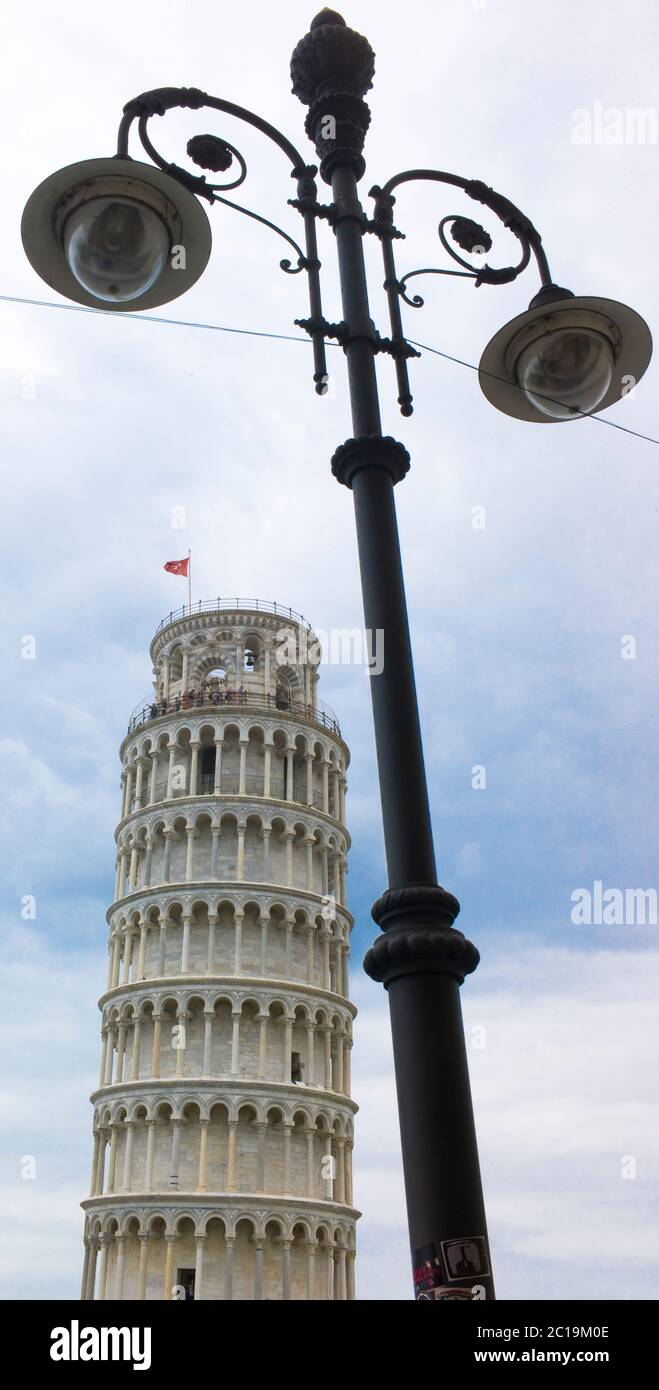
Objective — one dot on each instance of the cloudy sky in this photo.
(112, 422)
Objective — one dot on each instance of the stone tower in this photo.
(223, 1123)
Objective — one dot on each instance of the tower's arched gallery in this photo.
(223, 1121)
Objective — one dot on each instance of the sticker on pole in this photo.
(466, 1258)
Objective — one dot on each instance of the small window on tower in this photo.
(249, 660)
(185, 1280)
(296, 1068)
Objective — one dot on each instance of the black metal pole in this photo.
(420, 957)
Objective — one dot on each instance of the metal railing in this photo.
(155, 709)
(223, 605)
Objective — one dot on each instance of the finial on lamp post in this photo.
(331, 69)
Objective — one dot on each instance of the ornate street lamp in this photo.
(123, 235)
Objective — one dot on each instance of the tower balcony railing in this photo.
(254, 786)
(223, 605)
(227, 700)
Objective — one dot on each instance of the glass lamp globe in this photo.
(116, 247)
(566, 372)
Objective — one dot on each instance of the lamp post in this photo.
(119, 234)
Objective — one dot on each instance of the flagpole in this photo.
(190, 581)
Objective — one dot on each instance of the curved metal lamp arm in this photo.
(469, 235)
(216, 154)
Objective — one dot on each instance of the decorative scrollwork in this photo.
(214, 153)
(467, 234)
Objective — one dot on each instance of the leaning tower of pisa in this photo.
(223, 1122)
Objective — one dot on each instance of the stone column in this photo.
(217, 781)
(116, 964)
(148, 1166)
(181, 1023)
(129, 1126)
(105, 1034)
(341, 1271)
(128, 955)
(169, 1268)
(112, 1163)
(95, 1153)
(311, 1273)
(335, 792)
(350, 1274)
(209, 1016)
(154, 776)
(142, 1268)
(338, 1086)
(265, 833)
(189, 871)
(311, 1071)
(309, 760)
(325, 937)
(243, 766)
(111, 945)
(287, 1130)
(162, 947)
(200, 1242)
(263, 1045)
(155, 1053)
(132, 872)
(342, 799)
(311, 1134)
(120, 1242)
(176, 1149)
(203, 1152)
(310, 959)
(215, 849)
(309, 844)
(238, 942)
(85, 1270)
(348, 1171)
(231, 1156)
(290, 755)
(260, 1156)
(329, 1167)
(347, 1048)
(340, 1169)
(100, 1172)
(288, 1048)
(324, 871)
(121, 1043)
(128, 788)
(167, 860)
(165, 679)
(264, 944)
(288, 959)
(110, 1063)
(103, 1272)
(194, 760)
(327, 1034)
(240, 865)
(267, 768)
(286, 1270)
(212, 923)
(141, 959)
(325, 771)
(170, 771)
(184, 670)
(139, 783)
(235, 1041)
(258, 1271)
(148, 862)
(228, 1269)
(91, 1277)
(185, 945)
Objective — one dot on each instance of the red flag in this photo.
(178, 567)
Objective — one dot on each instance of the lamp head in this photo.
(116, 234)
(566, 357)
